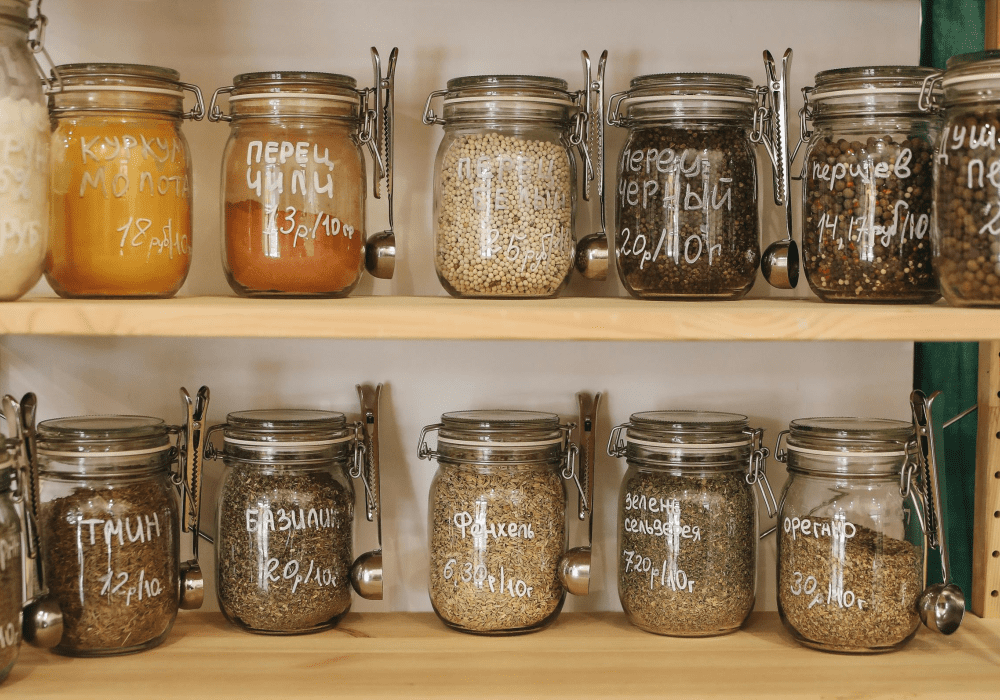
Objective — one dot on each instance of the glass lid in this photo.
(103, 434)
(270, 425)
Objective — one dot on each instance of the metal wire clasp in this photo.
(616, 441)
(757, 472)
(36, 44)
(429, 116)
(215, 113)
(423, 449)
(926, 101)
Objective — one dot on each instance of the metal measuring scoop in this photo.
(366, 572)
(380, 249)
(780, 262)
(41, 616)
(574, 566)
(941, 605)
(192, 580)
(592, 250)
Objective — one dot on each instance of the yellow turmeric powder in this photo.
(121, 206)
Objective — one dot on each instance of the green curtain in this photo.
(952, 27)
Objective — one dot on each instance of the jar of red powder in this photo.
(294, 177)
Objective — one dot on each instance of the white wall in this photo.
(210, 41)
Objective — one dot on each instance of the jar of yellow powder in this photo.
(121, 181)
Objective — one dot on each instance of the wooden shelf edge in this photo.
(582, 655)
(439, 318)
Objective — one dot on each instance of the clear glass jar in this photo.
(293, 183)
(110, 523)
(868, 184)
(687, 520)
(11, 568)
(285, 520)
(505, 186)
(24, 163)
(850, 547)
(121, 181)
(687, 223)
(498, 519)
(967, 175)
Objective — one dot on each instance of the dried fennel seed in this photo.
(10, 587)
(687, 552)
(876, 604)
(496, 540)
(284, 548)
(112, 562)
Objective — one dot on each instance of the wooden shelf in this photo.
(580, 656)
(571, 318)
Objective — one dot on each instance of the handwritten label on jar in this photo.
(806, 584)
(979, 170)
(664, 573)
(260, 177)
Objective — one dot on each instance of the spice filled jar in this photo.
(111, 523)
(687, 224)
(286, 518)
(850, 546)
(505, 183)
(868, 185)
(24, 130)
(11, 572)
(121, 181)
(293, 181)
(967, 175)
(498, 519)
(687, 520)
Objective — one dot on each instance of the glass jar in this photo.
(967, 174)
(293, 180)
(687, 520)
(505, 185)
(11, 571)
(24, 163)
(498, 519)
(868, 183)
(121, 181)
(110, 522)
(686, 209)
(850, 547)
(285, 520)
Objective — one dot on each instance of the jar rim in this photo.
(691, 81)
(127, 73)
(975, 61)
(104, 434)
(302, 79)
(285, 427)
(875, 77)
(499, 420)
(689, 420)
(503, 82)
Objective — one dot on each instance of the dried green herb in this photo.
(284, 550)
(687, 551)
(849, 593)
(497, 535)
(112, 562)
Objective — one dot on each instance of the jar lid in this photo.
(692, 429)
(678, 95)
(847, 436)
(124, 77)
(867, 89)
(285, 428)
(108, 436)
(972, 77)
(295, 85)
(524, 428)
(499, 85)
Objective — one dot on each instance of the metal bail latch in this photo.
(927, 102)
(380, 248)
(941, 605)
(36, 44)
(190, 456)
(592, 251)
(366, 572)
(757, 473)
(574, 566)
(41, 615)
(780, 261)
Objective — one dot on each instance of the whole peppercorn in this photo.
(504, 212)
(867, 205)
(686, 212)
(967, 196)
